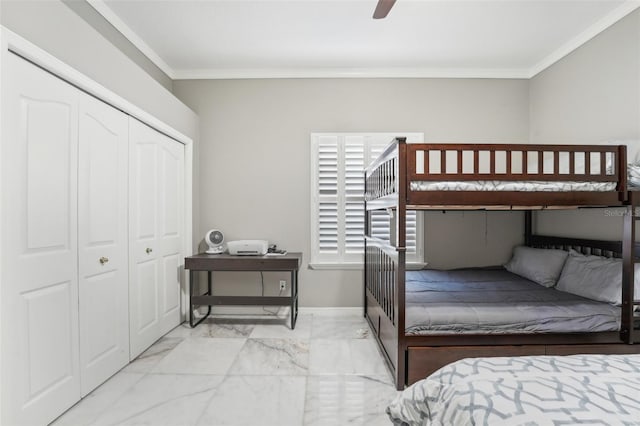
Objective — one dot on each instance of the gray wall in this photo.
(591, 96)
(59, 30)
(255, 173)
(255, 134)
(63, 31)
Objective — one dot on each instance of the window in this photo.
(337, 202)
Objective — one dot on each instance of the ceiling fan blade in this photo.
(383, 8)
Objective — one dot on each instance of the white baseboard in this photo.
(247, 310)
(335, 311)
(282, 311)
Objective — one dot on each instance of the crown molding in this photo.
(257, 73)
(103, 9)
(391, 72)
(599, 26)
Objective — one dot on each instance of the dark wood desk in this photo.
(289, 262)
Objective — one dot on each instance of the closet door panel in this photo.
(103, 244)
(47, 314)
(157, 261)
(40, 366)
(146, 186)
(170, 235)
(146, 310)
(170, 308)
(145, 273)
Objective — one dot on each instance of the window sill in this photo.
(413, 266)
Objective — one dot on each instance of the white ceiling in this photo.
(338, 38)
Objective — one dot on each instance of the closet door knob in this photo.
(103, 260)
(149, 250)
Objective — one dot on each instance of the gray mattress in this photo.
(497, 301)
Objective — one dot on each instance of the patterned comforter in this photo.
(522, 186)
(533, 390)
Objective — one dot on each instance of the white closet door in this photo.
(102, 241)
(155, 233)
(171, 156)
(40, 365)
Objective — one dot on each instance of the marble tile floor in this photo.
(328, 371)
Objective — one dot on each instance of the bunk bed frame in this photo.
(388, 187)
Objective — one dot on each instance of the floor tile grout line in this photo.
(115, 401)
(342, 329)
(206, 406)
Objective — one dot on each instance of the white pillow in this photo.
(633, 174)
(595, 277)
(633, 153)
(542, 266)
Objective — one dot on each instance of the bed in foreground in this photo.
(530, 390)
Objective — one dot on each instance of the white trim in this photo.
(390, 72)
(283, 312)
(251, 73)
(103, 9)
(31, 52)
(602, 24)
(259, 312)
(332, 311)
(187, 241)
(3, 46)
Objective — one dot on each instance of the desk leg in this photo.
(191, 276)
(294, 298)
(191, 305)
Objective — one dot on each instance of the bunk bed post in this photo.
(401, 234)
(528, 227)
(622, 174)
(364, 260)
(628, 270)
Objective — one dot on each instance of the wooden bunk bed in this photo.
(401, 179)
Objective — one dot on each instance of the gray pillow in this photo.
(595, 277)
(542, 266)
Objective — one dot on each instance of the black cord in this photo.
(262, 294)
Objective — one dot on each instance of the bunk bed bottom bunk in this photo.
(496, 301)
(413, 356)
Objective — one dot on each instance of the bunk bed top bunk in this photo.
(491, 176)
(497, 176)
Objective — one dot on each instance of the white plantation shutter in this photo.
(412, 237)
(327, 207)
(328, 227)
(380, 228)
(380, 220)
(354, 163)
(380, 225)
(337, 212)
